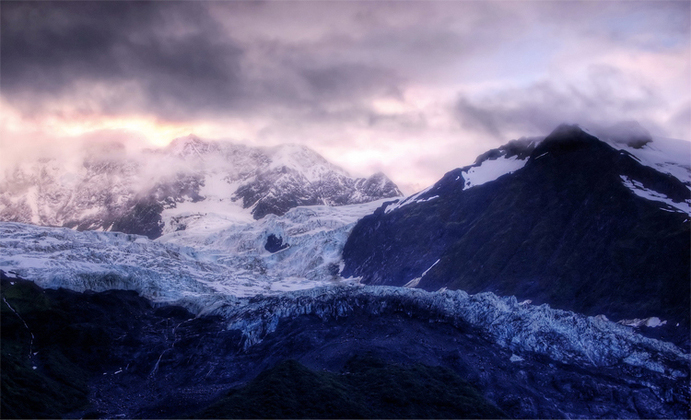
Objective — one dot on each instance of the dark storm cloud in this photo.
(351, 80)
(537, 109)
(173, 59)
(292, 64)
(171, 51)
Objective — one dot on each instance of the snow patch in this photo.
(651, 322)
(640, 190)
(414, 282)
(670, 156)
(405, 201)
(515, 358)
(422, 200)
(430, 267)
(490, 170)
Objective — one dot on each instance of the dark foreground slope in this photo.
(565, 230)
(356, 353)
(365, 388)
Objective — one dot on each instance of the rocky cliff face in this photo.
(112, 190)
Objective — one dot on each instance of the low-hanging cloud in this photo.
(604, 97)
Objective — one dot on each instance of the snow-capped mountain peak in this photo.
(146, 192)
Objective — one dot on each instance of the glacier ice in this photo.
(522, 328)
(208, 257)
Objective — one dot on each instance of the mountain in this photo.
(228, 314)
(155, 191)
(569, 220)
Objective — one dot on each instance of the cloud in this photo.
(54, 50)
(173, 60)
(414, 88)
(606, 95)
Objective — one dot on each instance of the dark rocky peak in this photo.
(582, 226)
(378, 185)
(520, 148)
(566, 139)
(275, 243)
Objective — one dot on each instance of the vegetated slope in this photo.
(149, 192)
(579, 225)
(122, 357)
(366, 388)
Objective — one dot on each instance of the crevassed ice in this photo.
(522, 328)
(210, 256)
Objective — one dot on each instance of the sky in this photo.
(413, 89)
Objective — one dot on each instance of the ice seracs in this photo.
(522, 328)
(211, 255)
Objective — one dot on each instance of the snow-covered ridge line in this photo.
(523, 328)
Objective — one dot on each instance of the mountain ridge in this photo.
(111, 190)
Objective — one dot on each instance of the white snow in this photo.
(309, 163)
(100, 185)
(414, 282)
(515, 358)
(422, 200)
(651, 322)
(489, 170)
(663, 154)
(405, 201)
(430, 267)
(637, 188)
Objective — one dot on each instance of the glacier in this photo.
(213, 255)
(524, 329)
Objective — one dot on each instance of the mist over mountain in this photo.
(141, 192)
